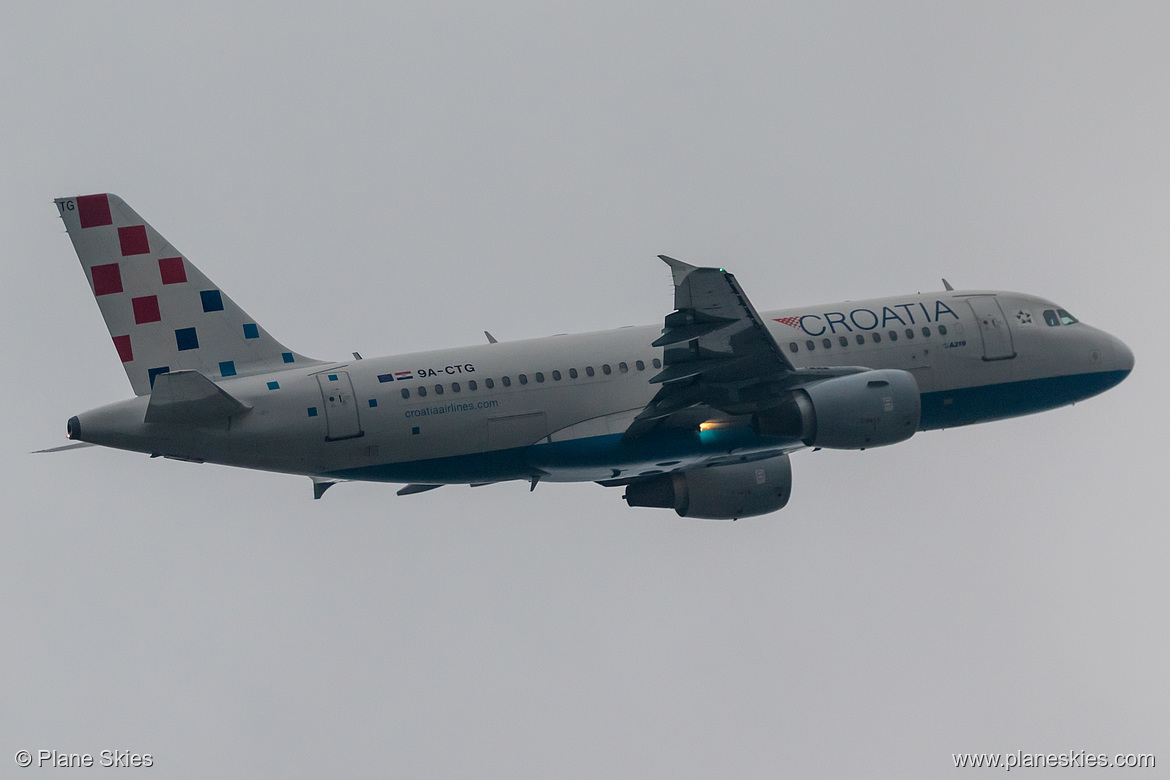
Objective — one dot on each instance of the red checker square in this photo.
(172, 270)
(146, 309)
(133, 240)
(106, 279)
(124, 350)
(94, 211)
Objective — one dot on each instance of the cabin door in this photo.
(993, 327)
(341, 412)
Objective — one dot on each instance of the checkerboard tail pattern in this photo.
(162, 313)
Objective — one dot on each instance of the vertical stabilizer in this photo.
(162, 312)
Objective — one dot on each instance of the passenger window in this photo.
(1051, 318)
(556, 375)
(438, 389)
(909, 333)
(826, 343)
(877, 338)
(657, 363)
(942, 330)
(623, 368)
(454, 387)
(843, 341)
(471, 385)
(422, 391)
(489, 383)
(809, 345)
(639, 365)
(506, 381)
(605, 369)
(572, 373)
(539, 377)
(893, 335)
(523, 379)
(860, 338)
(926, 332)
(1066, 318)
(792, 347)
(589, 371)
(406, 392)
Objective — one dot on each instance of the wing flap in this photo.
(717, 354)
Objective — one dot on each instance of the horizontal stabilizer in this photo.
(74, 446)
(189, 398)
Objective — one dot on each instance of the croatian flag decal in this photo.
(400, 375)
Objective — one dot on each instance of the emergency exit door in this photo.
(341, 412)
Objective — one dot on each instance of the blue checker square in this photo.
(333, 377)
(251, 331)
(212, 300)
(274, 385)
(312, 411)
(288, 358)
(151, 373)
(414, 431)
(185, 339)
(227, 368)
(373, 402)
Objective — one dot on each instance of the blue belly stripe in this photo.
(951, 408)
(943, 409)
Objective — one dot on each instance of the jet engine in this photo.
(726, 492)
(869, 409)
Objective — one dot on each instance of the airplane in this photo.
(699, 415)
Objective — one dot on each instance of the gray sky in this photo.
(395, 180)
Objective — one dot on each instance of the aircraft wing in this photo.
(717, 352)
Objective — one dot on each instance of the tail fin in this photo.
(162, 312)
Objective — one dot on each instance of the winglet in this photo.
(678, 269)
(947, 285)
(189, 398)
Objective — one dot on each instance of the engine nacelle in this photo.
(870, 409)
(718, 492)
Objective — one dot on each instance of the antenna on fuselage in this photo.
(947, 285)
(491, 339)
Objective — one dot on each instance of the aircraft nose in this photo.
(1122, 355)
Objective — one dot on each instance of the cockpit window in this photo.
(1065, 317)
(1050, 317)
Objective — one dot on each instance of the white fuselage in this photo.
(556, 407)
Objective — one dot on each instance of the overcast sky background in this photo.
(391, 180)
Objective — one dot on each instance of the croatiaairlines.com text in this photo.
(427, 411)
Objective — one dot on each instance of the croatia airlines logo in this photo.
(904, 314)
